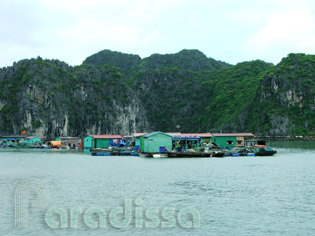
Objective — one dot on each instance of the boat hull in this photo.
(265, 153)
(188, 155)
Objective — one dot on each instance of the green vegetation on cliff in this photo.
(113, 92)
(285, 99)
(125, 62)
(51, 98)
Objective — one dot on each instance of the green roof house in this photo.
(34, 141)
(137, 138)
(156, 142)
(230, 140)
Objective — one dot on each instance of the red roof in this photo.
(106, 136)
(142, 134)
(201, 135)
(233, 134)
(30, 137)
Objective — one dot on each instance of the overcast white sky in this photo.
(229, 30)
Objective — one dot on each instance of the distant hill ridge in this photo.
(118, 93)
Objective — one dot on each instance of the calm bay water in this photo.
(234, 195)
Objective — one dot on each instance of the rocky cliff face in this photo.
(186, 91)
(51, 98)
(286, 98)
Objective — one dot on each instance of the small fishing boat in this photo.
(258, 148)
(263, 151)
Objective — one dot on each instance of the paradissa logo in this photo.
(131, 213)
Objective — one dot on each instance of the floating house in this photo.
(205, 138)
(34, 141)
(156, 142)
(102, 141)
(230, 140)
(71, 142)
(12, 141)
(137, 139)
(187, 143)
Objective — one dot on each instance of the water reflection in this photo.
(293, 144)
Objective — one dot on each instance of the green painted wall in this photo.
(142, 144)
(222, 141)
(88, 142)
(137, 141)
(32, 141)
(102, 143)
(154, 142)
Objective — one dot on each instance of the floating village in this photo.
(155, 144)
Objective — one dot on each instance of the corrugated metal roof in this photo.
(169, 133)
(40, 137)
(201, 135)
(139, 134)
(68, 138)
(233, 134)
(106, 136)
(154, 133)
(174, 133)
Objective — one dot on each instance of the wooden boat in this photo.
(259, 148)
(265, 152)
